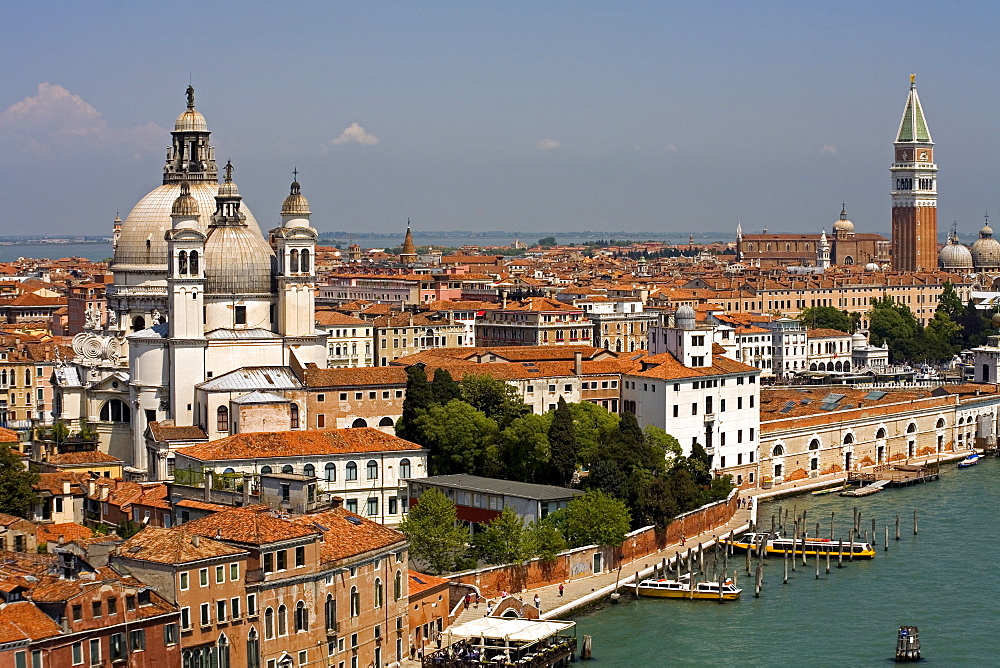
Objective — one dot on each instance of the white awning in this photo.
(513, 630)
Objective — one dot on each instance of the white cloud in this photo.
(55, 119)
(355, 134)
(670, 148)
(546, 144)
(829, 148)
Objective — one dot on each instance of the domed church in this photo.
(199, 293)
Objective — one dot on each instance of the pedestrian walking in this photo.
(683, 538)
(468, 601)
(561, 590)
(489, 608)
(538, 602)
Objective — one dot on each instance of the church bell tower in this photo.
(914, 191)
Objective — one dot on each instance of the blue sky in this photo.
(528, 116)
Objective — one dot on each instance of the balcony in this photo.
(709, 418)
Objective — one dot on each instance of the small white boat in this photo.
(971, 460)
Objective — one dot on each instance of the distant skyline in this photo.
(554, 116)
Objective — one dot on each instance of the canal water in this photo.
(943, 580)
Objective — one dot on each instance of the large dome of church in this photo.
(986, 250)
(955, 256)
(842, 224)
(141, 241)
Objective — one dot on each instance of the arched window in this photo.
(282, 620)
(360, 422)
(309, 470)
(880, 433)
(912, 427)
(397, 586)
(253, 649)
(940, 423)
(404, 468)
(222, 419)
(301, 617)
(386, 422)
(265, 470)
(352, 471)
(331, 612)
(229, 469)
(269, 624)
(293, 262)
(138, 323)
(182, 263)
(222, 649)
(294, 416)
(304, 262)
(778, 450)
(3, 377)
(287, 468)
(372, 469)
(378, 593)
(355, 602)
(848, 439)
(814, 444)
(115, 410)
(193, 265)
(330, 471)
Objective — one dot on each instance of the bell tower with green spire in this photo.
(914, 191)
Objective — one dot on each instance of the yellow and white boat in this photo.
(706, 590)
(775, 544)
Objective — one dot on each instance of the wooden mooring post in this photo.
(785, 560)
(914, 521)
(833, 513)
(759, 581)
(587, 649)
(840, 555)
(829, 547)
(908, 644)
(897, 527)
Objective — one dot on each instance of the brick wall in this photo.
(579, 562)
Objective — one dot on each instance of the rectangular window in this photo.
(321, 420)
(97, 608)
(205, 616)
(676, 410)
(220, 574)
(739, 435)
(352, 505)
(20, 660)
(185, 618)
(343, 396)
(240, 315)
(252, 604)
(234, 572)
(392, 505)
(268, 562)
(300, 556)
(751, 433)
(281, 560)
(220, 611)
(95, 652)
(137, 640)
(567, 388)
(116, 649)
(322, 397)
(77, 613)
(203, 577)
(170, 634)
(303, 657)
(77, 653)
(234, 607)
(694, 409)
(372, 506)
(184, 581)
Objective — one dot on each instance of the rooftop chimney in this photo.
(196, 540)
(578, 363)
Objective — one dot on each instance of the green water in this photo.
(943, 580)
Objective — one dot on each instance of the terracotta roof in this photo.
(333, 318)
(420, 582)
(53, 482)
(165, 430)
(174, 546)
(83, 457)
(23, 620)
(251, 525)
(6, 520)
(67, 530)
(7, 435)
(821, 333)
(344, 537)
(201, 505)
(264, 445)
(668, 368)
(364, 376)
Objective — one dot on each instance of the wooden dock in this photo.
(895, 475)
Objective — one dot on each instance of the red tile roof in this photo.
(251, 525)
(262, 445)
(420, 582)
(67, 531)
(174, 546)
(23, 620)
(343, 537)
(83, 457)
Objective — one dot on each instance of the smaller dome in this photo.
(185, 204)
(955, 256)
(295, 204)
(843, 225)
(190, 121)
(871, 266)
(684, 317)
(986, 250)
(858, 340)
(995, 319)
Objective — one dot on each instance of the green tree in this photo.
(495, 398)
(700, 464)
(443, 387)
(593, 426)
(950, 303)
(59, 431)
(505, 540)
(656, 505)
(595, 519)
(521, 451)
(629, 448)
(608, 477)
(825, 317)
(431, 527)
(683, 488)
(547, 242)
(418, 399)
(549, 541)
(562, 444)
(663, 442)
(457, 436)
(17, 494)
(893, 323)
(942, 337)
(127, 527)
